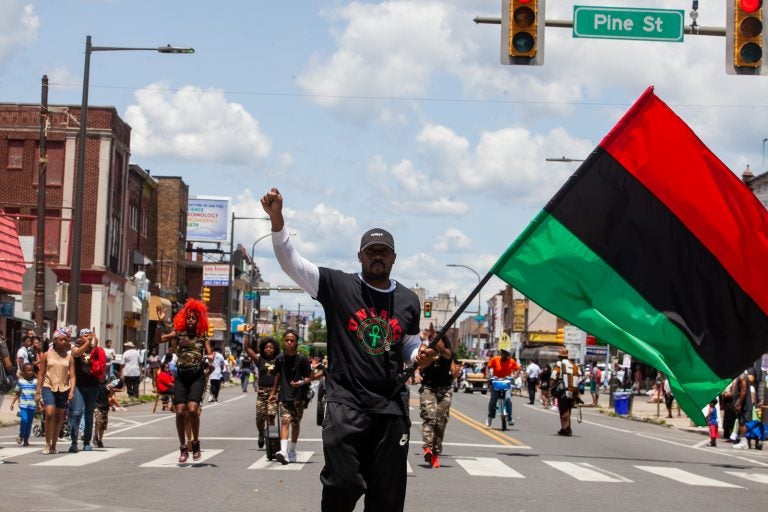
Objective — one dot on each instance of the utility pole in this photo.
(40, 235)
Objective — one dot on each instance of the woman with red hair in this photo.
(189, 341)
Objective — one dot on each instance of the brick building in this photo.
(104, 260)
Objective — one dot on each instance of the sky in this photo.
(394, 114)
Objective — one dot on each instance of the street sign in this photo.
(479, 318)
(250, 295)
(28, 289)
(628, 23)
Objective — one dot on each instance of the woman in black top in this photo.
(437, 390)
(544, 377)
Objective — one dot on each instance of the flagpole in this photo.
(441, 333)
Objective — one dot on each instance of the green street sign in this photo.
(628, 23)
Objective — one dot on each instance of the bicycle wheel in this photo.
(503, 411)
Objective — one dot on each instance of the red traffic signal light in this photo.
(745, 35)
(522, 34)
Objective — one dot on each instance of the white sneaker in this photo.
(741, 445)
(210, 399)
(488, 422)
(292, 457)
(281, 457)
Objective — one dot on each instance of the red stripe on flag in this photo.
(662, 152)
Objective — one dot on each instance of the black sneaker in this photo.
(261, 440)
(99, 443)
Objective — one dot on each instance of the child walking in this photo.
(26, 387)
(712, 422)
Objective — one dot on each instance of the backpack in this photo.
(98, 363)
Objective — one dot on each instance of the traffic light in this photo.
(745, 37)
(427, 309)
(210, 330)
(206, 294)
(522, 32)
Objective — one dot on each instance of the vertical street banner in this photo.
(653, 245)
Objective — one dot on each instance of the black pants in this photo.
(364, 454)
(132, 383)
(215, 387)
(729, 416)
(532, 390)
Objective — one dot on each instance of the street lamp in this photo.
(764, 141)
(253, 250)
(77, 210)
(479, 301)
(564, 159)
(230, 286)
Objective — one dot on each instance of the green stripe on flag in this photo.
(553, 268)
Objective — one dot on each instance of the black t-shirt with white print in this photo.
(366, 328)
(291, 369)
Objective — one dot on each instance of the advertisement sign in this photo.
(215, 275)
(518, 315)
(207, 219)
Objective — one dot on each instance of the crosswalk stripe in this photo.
(83, 458)
(7, 453)
(301, 459)
(686, 477)
(487, 466)
(760, 478)
(585, 472)
(171, 460)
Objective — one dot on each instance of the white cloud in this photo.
(18, 28)
(453, 240)
(505, 164)
(386, 50)
(194, 124)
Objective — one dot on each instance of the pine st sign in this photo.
(628, 23)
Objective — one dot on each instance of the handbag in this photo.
(559, 389)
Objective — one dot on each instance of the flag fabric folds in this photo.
(655, 246)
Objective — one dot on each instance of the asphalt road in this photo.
(610, 462)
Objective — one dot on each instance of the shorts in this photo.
(292, 411)
(56, 398)
(101, 419)
(189, 388)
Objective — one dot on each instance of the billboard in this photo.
(207, 218)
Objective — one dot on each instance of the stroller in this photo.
(39, 428)
(757, 431)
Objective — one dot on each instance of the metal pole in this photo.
(230, 285)
(698, 30)
(40, 236)
(73, 297)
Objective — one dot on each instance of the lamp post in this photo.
(253, 250)
(73, 298)
(479, 301)
(764, 141)
(230, 286)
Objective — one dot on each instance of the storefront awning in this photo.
(542, 353)
(156, 300)
(12, 266)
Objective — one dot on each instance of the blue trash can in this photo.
(621, 403)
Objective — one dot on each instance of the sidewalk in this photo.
(642, 409)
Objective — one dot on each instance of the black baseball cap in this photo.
(377, 236)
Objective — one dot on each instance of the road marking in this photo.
(7, 453)
(83, 458)
(760, 478)
(586, 472)
(480, 427)
(487, 466)
(686, 477)
(172, 460)
(301, 459)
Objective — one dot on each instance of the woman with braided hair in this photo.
(189, 341)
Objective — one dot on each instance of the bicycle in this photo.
(503, 387)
